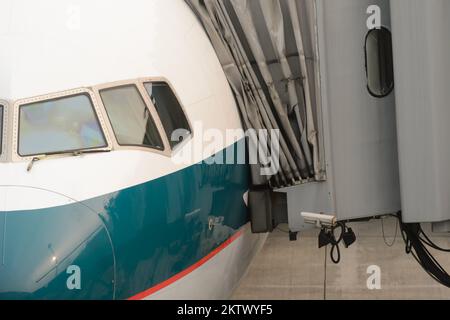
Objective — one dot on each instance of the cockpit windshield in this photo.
(66, 124)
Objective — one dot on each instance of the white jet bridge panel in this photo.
(422, 76)
(300, 66)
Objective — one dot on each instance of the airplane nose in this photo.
(58, 252)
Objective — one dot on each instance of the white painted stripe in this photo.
(82, 178)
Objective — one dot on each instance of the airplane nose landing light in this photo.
(62, 252)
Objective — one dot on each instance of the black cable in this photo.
(335, 253)
(430, 243)
(416, 242)
(390, 245)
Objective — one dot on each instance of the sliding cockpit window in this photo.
(66, 124)
(175, 123)
(131, 120)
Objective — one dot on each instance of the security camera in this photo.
(318, 219)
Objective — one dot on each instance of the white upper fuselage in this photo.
(50, 46)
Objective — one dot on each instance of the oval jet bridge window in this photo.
(170, 111)
(379, 62)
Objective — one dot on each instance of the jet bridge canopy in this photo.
(269, 54)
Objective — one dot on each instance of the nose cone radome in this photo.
(62, 252)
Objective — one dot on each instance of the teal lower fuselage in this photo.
(125, 242)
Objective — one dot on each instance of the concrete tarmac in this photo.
(299, 270)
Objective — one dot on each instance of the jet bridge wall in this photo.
(299, 66)
(422, 76)
(359, 129)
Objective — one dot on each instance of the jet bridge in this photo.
(351, 145)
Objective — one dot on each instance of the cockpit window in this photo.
(170, 111)
(1, 129)
(66, 124)
(130, 118)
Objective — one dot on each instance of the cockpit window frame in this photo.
(11, 119)
(4, 142)
(140, 86)
(54, 96)
(180, 145)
